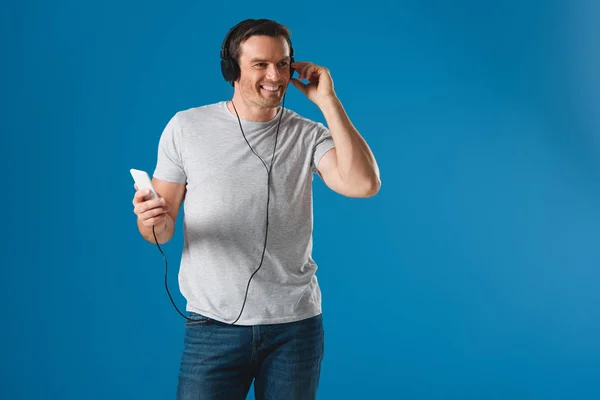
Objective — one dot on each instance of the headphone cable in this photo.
(268, 195)
(267, 223)
(166, 273)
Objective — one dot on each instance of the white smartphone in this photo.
(142, 180)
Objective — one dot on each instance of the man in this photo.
(245, 168)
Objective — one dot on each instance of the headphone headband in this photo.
(225, 44)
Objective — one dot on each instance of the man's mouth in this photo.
(269, 88)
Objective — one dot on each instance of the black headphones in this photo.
(229, 67)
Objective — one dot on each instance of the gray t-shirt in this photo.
(225, 212)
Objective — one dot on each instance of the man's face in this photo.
(264, 70)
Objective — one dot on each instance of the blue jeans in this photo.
(220, 361)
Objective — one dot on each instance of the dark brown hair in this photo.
(254, 27)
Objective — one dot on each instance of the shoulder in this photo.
(198, 114)
(189, 124)
(304, 123)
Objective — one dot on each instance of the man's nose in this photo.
(273, 73)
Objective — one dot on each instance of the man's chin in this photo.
(271, 102)
(271, 97)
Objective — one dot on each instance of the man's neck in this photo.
(256, 114)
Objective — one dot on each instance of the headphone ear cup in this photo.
(225, 70)
(230, 70)
(292, 68)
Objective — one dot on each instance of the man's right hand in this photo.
(150, 212)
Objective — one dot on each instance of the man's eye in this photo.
(283, 64)
(261, 64)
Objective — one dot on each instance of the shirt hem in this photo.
(257, 321)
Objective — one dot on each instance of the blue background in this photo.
(473, 274)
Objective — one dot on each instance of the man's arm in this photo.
(350, 168)
(173, 195)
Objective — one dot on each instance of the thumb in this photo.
(299, 85)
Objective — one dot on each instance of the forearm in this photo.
(163, 233)
(356, 162)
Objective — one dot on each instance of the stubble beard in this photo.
(258, 99)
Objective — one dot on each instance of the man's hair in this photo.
(254, 27)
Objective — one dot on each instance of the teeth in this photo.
(271, 88)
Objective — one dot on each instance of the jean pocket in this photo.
(195, 319)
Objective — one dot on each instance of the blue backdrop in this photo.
(473, 274)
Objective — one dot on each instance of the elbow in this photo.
(371, 188)
(374, 188)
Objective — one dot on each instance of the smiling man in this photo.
(245, 169)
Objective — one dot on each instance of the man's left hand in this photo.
(320, 86)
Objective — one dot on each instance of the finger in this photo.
(299, 85)
(307, 72)
(153, 213)
(301, 68)
(154, 221)
(315, 72)
(138, 197)
(310, 71)
(144, 206)
(151, 204)
(140, 194)
(299, 64)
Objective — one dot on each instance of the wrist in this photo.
(163, 227)
(328, 101)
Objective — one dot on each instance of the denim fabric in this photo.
(220, 361)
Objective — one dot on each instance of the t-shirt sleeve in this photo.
(169, 163)
(323, 143)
